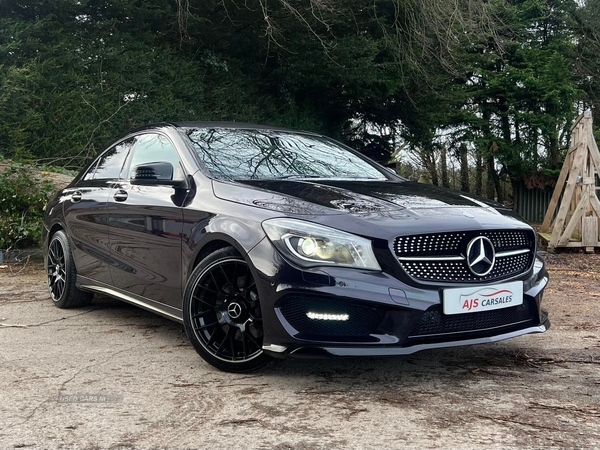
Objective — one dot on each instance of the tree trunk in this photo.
(464, 169)
(432, 169)
(444, 167)
(534, 139)
(428, 158)
(515, 188)
(489, 185)
(490, 189)
(478, 172)
(504, 120)
(553, 150)
(493, 181)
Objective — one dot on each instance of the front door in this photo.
(145, 225)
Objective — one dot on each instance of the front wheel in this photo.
(222, 315)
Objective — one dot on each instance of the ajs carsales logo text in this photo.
(485, 297)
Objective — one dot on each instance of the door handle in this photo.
(120, 196)
(76, 196)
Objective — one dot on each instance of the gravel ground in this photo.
(540, 391)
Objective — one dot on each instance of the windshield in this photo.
(242, 154)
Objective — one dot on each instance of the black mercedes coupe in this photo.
(267, 242)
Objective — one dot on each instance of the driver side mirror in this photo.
(154, 174)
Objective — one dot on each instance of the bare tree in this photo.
(478, 172)
(444, 167)
(464, 168)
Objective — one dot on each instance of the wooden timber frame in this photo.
(576, 222)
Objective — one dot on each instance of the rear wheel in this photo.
(222, 315)
(62, 274)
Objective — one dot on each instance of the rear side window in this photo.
(151, 148)
(90, 173)
(111, 162)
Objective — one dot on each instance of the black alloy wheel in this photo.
(62, 275)
(222, 314)
(57, 274)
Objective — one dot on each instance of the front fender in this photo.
(203, 232)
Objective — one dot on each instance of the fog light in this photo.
(321, 316)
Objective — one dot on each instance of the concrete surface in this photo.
(539, 391)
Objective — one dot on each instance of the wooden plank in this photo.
(575, 220)
(594, 152)
(557, 230)
(578, 244)
(581, 116)
(574, 204)
(574, 141)
(545, 237)
(589, 237)
(583, 141)
(560, 184)
(590, 184)
(589, 180)
(595, 204)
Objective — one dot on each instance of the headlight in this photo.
(310, 245)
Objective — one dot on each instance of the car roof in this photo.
(236, 125)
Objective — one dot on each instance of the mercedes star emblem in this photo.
(481, 256)
(234, 310)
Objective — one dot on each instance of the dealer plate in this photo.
(482, 298)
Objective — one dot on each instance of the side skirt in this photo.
(167, 311)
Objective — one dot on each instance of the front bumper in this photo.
(387, 316)
(312, 352)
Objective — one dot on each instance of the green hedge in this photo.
(24, 193)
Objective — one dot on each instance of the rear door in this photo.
(85, 213)
(145, 225)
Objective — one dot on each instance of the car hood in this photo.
(383, 201)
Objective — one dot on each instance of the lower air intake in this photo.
(361, 321)
(434, 322)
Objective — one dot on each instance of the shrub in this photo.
(23, 196)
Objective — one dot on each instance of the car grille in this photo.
(362, 320)
(440, 257)
(434, 323)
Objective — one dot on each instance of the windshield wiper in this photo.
(295, 176)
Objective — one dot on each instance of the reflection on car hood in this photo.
(343, 196)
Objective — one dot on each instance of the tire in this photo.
(221, 313)
(62, 274)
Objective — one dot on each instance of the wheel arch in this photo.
(57, 225)
(210, 244)
(47, 235)
(54, 228)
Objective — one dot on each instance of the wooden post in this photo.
(590, 233)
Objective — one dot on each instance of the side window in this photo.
(151, 148)
(110, 164)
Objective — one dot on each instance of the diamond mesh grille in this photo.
(455, 244)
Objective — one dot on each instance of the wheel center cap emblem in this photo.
(234, 310)
(481, 256)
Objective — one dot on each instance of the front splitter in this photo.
(280, 351)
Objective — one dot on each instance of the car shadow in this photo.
(501, 359)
